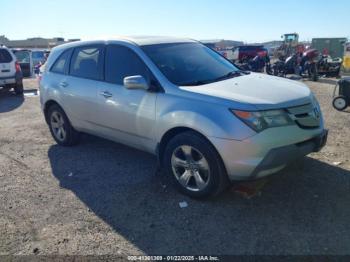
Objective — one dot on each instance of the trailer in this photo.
(333, 47)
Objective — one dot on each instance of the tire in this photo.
(189, 155)
(18, 88)
(340, 103)
(8, 87)
(58, 120)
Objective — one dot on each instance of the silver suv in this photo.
(208, 122)
(10, 71)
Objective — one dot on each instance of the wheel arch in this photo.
(169, 134)
(47, 106)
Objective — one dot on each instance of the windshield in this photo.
(190, 63)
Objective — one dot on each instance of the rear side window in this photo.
(5, 56)
(86, 63)
(61, 63)
(122, 62)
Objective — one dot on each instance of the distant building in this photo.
(35, 42)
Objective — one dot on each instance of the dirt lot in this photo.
(104, 198)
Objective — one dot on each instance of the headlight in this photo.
(314, 100)
(260, 120)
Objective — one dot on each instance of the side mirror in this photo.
(135, 82)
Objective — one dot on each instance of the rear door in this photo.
(7, 64)
(79, 88)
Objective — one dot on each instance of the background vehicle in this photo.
(309, 62)
(298, 63)
(342, 100)
(38, 56)
(207, 121)
(24, 58)
(260, 63)
(329, 66)
(289, 46)
(283, 67)
(242, 54)
(333, 47)
(10, 71)
(227, 53)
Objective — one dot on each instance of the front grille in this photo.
(305, 116)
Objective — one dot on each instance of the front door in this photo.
(126, 115)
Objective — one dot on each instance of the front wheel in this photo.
(194, 166)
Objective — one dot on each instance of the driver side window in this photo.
(122, 62)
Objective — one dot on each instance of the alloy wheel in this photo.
(190, 168)
(58, 126)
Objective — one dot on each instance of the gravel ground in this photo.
(105, 198)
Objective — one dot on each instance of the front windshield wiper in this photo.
(227, 76)
(195, 83)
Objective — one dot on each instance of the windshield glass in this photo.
(190, 63)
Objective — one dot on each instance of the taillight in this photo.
(18, 67)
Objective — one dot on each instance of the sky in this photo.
(244, 20)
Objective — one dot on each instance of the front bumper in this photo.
(268, 152)
(278, 158)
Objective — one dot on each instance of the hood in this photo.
(262, 91)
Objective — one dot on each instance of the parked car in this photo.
(242, 54)
(25, 60)
(10, 71)
(208, 122)
(38, 56)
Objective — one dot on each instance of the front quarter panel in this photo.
(209, 119)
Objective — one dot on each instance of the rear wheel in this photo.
(8, 87)
(60, 127)
(194, 166)
(340, 103)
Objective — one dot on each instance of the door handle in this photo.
(63, 84)
(106, 94)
